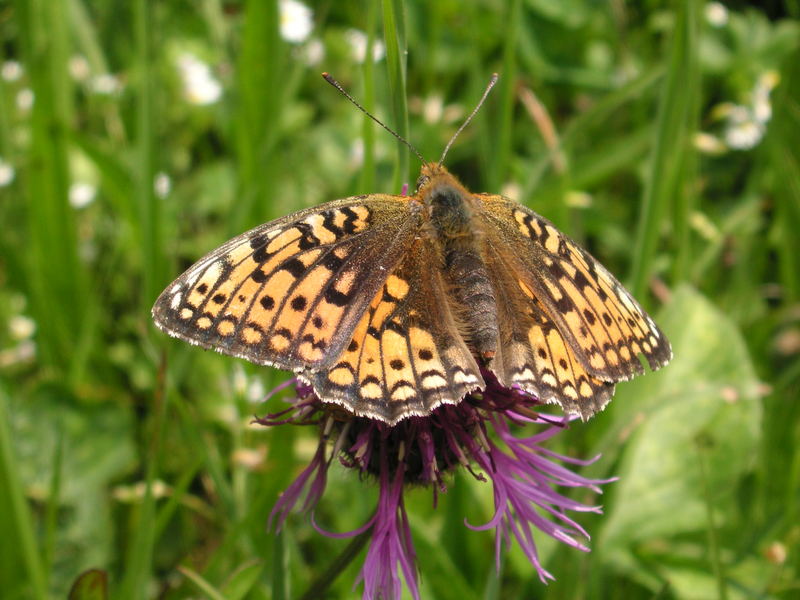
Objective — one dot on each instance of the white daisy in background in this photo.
(78, 67)
(357, 154)
(762, 109)
(358, 43)
(162, 185)
(25, 98)
(742, 130)
(716, 14)
(81, 194)
(7, 173)
(312, 52)
(745, 125)
(250, 387)
(11, 70)
(105, 84)
(21, 327)
(199, 84)
(296, 21)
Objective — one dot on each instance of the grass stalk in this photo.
(54, 271)
(394, 39)
(501, 157)
(24, 539)
(367, 176)
(671, 143)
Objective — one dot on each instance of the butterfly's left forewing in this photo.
(289, 293)
(600, 323)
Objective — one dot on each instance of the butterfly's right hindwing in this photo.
(289, 293)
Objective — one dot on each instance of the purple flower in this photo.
(423, 450)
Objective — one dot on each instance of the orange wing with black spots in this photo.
(533, 353)
(291, 292)
(405, 356)
(590, 320)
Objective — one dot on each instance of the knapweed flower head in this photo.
(480, 435)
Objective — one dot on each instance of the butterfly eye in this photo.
(423, 179)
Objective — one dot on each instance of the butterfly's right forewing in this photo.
(290, 293)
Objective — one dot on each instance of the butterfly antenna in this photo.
(489, 87)
(329, 78)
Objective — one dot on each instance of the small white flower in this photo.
(762, 109)
(511, 190)
(6, 173)
(255, 390)
(162, 185)
(11, 70)
(578, 199)
(358, 42)
(296, 21)
(357, 153)
(716, 14)
(25, 99)
(313, 52)
(81, 194)
(744, 135)
(79, 67)
(239, 381)
(708, 144)
(433, 109)
(21, 327)
(250, 458)
(106, 84)
(199, 84)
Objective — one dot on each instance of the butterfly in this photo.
(392, 305)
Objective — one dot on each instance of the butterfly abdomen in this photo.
(464, 270)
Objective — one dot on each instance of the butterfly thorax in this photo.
(451, 209)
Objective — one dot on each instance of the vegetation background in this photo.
(136, 136)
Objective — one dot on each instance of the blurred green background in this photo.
(136, 136)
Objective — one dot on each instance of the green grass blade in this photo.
(260, 95)
(148, 207)
(201, 584)
(394, 38)
(54, 270)
(671, 145)
(17, 520)
(145, 522)
(782, 141)
(367, 177)
(501, 156)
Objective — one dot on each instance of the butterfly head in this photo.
(432, 175)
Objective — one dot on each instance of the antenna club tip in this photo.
(325, 74)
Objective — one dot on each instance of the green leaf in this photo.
(709, 391)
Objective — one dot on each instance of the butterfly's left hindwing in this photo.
(289, 293)
(406, 355)
(533, 353)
